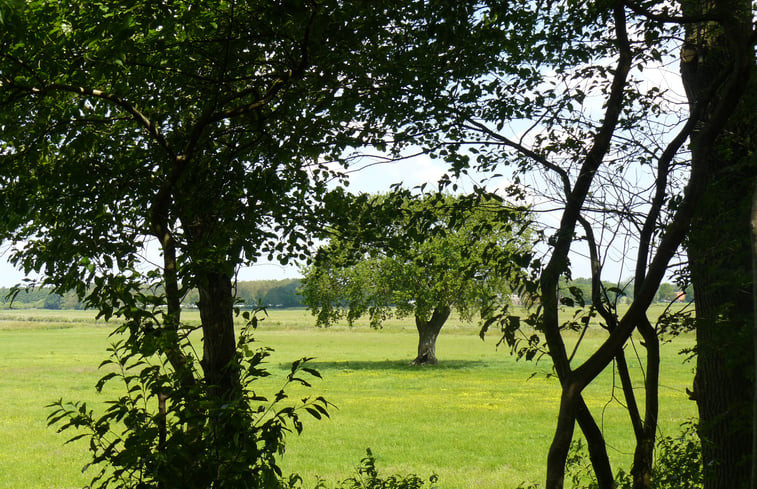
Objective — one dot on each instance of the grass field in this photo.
(480, 419)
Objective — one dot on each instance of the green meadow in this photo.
(480, 419)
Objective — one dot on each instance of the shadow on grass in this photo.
(391, 365)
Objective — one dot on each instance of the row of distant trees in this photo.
(38, 298)
(623, 292)
(269, 293)
(284, 293)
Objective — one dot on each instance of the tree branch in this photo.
(731, 92)
(276, 86)
(675, 19)
(152, 129)
(478, 126)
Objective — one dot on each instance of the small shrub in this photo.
(164, 432)
(367, 477)
(679, 461)
(579, 473)
(678, 465)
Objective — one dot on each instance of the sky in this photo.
(8, 275)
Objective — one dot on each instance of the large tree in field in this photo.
(432, 254)
(197, 129)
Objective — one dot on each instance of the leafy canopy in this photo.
(399, 255)
(201, 129)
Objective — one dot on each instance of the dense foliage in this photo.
(430, 251)
(420, 256)
(198, 443)
(203, 131)
(678, 465)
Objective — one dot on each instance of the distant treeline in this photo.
(283, 294)
(269, 293)
(38, 298)
(624, 293)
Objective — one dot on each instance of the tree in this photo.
(52, 301)
(284, 294)
(433, 254)
(720, 257)
(202, 129)
(667, 292)
(568, 100)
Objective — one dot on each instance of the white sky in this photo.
(9, 276)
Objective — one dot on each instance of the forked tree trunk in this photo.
(428, 332)
(645, 431)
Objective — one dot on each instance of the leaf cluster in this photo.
(163, 433)
(678, 464)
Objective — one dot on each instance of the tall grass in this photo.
(480, 419)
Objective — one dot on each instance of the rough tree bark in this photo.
(428, 332)
(754, 332)
(719, 250)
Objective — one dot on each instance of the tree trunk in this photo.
(428, 331)
(754, 333)
(597, 446)
(643, 459)
(560, 446)
(719, 250)
(720, 262)
(723, 388)
(219, 340)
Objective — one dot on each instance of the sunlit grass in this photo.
(479, 419)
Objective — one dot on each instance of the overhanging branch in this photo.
(44, 89)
